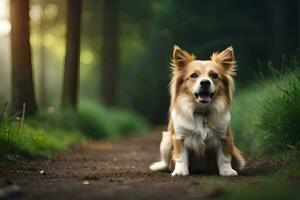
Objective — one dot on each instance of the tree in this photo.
(284, 30)
(42, 75)
(22, 81)
(71, 72)
(110, 51)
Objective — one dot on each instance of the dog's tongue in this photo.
(204, 98)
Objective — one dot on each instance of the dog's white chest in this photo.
(200, 126)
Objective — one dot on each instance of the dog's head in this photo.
(203, 81)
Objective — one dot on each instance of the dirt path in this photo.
(108, 170)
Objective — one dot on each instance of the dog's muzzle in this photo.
(204, 94)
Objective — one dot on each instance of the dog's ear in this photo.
(226, 59)
(181, 58)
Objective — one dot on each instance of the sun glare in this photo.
(3, 9)
(5, 25)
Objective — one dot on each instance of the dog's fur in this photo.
(199, 138)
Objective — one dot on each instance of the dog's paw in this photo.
(180, 170)
(228, 172)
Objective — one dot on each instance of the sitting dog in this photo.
(199, 138)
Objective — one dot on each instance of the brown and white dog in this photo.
(199, 138)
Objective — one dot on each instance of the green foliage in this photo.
(100, 122)
(246, 112)
(19, 140)
(266, 115)
(280, 116)
(93, 120)
(50, 117)
(50, 130)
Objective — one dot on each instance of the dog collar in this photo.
(205, 122)
(204, 116)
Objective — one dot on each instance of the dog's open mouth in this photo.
(204, 97)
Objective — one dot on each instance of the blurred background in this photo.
(263, 34)
(108, 60)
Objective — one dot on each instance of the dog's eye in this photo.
(214, 75)
(194, 75)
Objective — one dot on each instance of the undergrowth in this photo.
(266, 115)
(52, 130)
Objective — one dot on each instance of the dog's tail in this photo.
(159, 166)
(238, 160)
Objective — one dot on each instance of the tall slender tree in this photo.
(42, 76)
(71, 72)
(110, 51)
(298, 24)
(22, 80)
(284, 29)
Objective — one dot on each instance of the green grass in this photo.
(280, 184)
(21, 140)
(280, 116)
(266, 115)
(52, 130)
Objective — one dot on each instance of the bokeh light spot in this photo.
(5, 27)
(51, 11)
(36, 12)
(86, 56)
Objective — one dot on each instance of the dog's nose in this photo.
(205, 83)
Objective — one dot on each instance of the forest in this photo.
(84, 88)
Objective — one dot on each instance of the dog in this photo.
(199, 138)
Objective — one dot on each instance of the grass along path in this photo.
(118, 169)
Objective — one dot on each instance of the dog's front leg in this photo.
(180, 156)
(224, 161)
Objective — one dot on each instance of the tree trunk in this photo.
(284, 30)
(71, 72)
(43, 77)
(110, 53)
(22, 81)
(298, 23)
